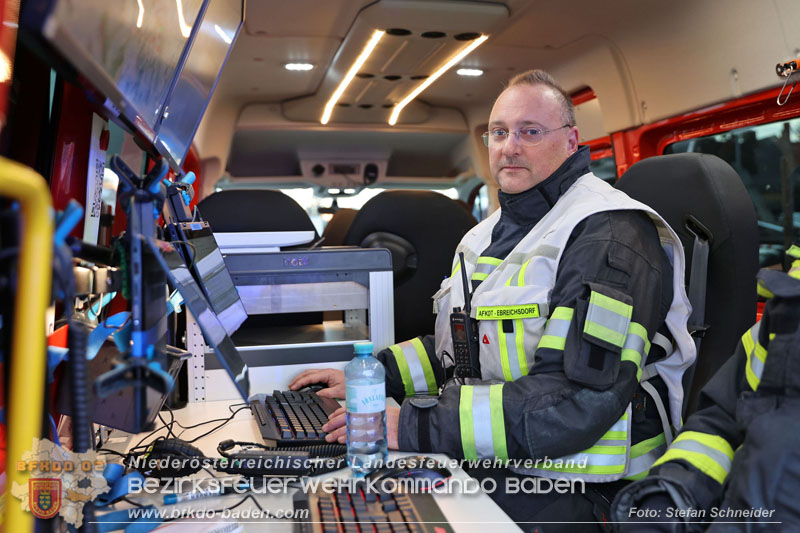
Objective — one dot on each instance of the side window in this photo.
(480, 205)
(604, 168)
(766, 158)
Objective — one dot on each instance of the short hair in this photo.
(540, 77)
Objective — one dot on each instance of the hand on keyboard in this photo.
(334, 379)
(336, 431)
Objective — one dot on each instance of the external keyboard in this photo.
(293, 417)
(362, 511)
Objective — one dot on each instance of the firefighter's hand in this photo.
(337, 431)
(334, 379)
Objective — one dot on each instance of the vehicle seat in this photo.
(336, 228)
(707, 188)
(235, 210)
(254, 210)
(422, 230)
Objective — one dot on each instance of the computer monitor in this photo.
(204, 258)
(198, 77)
(213, 330)
(128, 51)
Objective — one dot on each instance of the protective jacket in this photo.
(737, 459)
(547, 367)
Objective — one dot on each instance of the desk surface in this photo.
(466, 512)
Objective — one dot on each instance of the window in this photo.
(765, 157)
(605, 168)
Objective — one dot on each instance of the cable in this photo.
(194, 251)
(218, 427)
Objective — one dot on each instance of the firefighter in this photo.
(575, 297)
(737, 458)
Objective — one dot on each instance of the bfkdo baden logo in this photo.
(44, 497)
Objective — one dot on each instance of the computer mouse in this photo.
(313, 387)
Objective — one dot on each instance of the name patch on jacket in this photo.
(497, 312)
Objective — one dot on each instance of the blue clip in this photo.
(67, 220)
(174, 303)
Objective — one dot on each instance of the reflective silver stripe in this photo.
(635, 342)
(511, 349)
(691, 445)
(485, 268)
(644, 462)
(619, 425)
(608, 319)
(557, 327)
(596, 459)
(414, 367)
(664, 342)
(756, 365)
(481, 416)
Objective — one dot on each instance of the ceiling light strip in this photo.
(433, 77)
(376, 36)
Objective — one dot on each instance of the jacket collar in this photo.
(528, 207)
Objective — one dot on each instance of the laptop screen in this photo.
(213, 330)
(205, 260)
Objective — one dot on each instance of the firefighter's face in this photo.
(516, 163)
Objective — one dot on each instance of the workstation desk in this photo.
(465, 512)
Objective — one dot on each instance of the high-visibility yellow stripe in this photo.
(521, 279)
(603, 333)
(489, 260)
(480, 276)
(553, 342)
(606, 302)
(702, 461)
(749, 347)
(501, 337)
(519, 333)
(405, 372)
(430, 378)
(562, 313)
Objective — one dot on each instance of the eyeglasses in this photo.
(528, 136)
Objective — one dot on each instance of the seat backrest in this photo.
(234, 210)
(422, 230)
(704, 187)
(336, 228)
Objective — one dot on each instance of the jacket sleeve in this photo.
(693, 471)
(412, 368)
(583, 378)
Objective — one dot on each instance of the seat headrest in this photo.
(254, 210)
(694, 192)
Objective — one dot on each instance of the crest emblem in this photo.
(44, 495)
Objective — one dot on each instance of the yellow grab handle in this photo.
(28, 350)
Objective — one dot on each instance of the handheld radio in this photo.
(464, 330)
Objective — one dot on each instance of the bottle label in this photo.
(366, 398)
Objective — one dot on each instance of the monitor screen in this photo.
(213, 331)
(205, 259)
(198, 78)
(130, 51)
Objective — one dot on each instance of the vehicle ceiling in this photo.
(645, 61)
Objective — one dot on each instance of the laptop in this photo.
(200, 251)
(213, 330)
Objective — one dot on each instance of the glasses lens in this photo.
(485, 137)
(530, 136)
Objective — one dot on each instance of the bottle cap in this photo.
(363, 348)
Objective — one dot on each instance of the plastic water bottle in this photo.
(366, 411)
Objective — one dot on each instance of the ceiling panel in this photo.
(320, 18)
